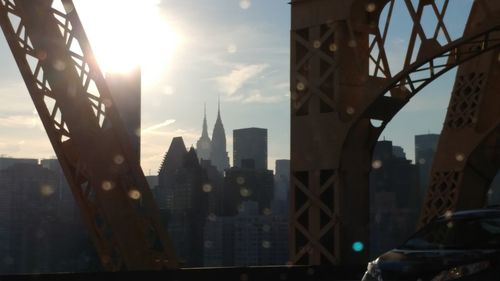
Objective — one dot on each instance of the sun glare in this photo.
(125, 34)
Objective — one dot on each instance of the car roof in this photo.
(491, 211)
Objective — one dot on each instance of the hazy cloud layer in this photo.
(159, 125)
(232, 82)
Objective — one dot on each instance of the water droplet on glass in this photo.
(207, 187)
(232, 48)
(316, 44)
(46, 190)
(350, 110)
(267, 211)
(134, 194)
(377, 164)
(266, 228)
(245, 4)
(357, 246)
(460, 157)
(212, 217)
(59, 65)
(106, 185)
(352, 43)
(450, 224)
(333, 47)
(371, 7)
(421, 161)
(448, 214)
(266, 244)
(41, 54)
(301, 86)
(118, 159)
(240, 180)
(244, 192)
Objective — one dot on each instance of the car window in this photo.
(457, 234)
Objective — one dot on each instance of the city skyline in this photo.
(236, 49)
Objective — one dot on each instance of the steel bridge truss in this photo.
(344, 93)
(74, 103)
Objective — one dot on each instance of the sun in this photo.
(125, 34)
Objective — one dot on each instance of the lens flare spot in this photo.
(107, 185)
(240, 180)
(207, 188)
(333, 47)
(376, 164)
(118, 159)
(245, 4)
(46, 190)
(244, 192)
(59, 65)
(357, 246)
(266, 244)
(134, 194)
(371, 7)
(266, 228)
(212, 217)
(350, 110)
(231, 48)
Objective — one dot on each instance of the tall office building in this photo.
(394, 197)
(204, 143)
(425, 148)
(218, 151)
(126, 92)
(250, 143)
(281, 204)
(6, 162)
(183, 201)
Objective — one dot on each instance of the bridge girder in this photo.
(343, 94)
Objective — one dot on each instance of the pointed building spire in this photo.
(204, 133)
(203, 145)
(218, 107)
(218, 153)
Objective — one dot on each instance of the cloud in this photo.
(15, 121)
(282, 86)
(256, 97)
(160, 125)
(233, 81)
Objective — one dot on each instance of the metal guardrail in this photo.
(260, 273)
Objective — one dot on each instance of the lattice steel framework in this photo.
(468, 157)
(74, 103)
(344, 91)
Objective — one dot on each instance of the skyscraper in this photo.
(425, 148)
(250, 143)
(180, 196)
(204, 144)
(218, 152)
(126, 92)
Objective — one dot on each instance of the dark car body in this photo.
(460, 246)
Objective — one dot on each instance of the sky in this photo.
(194, 52)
